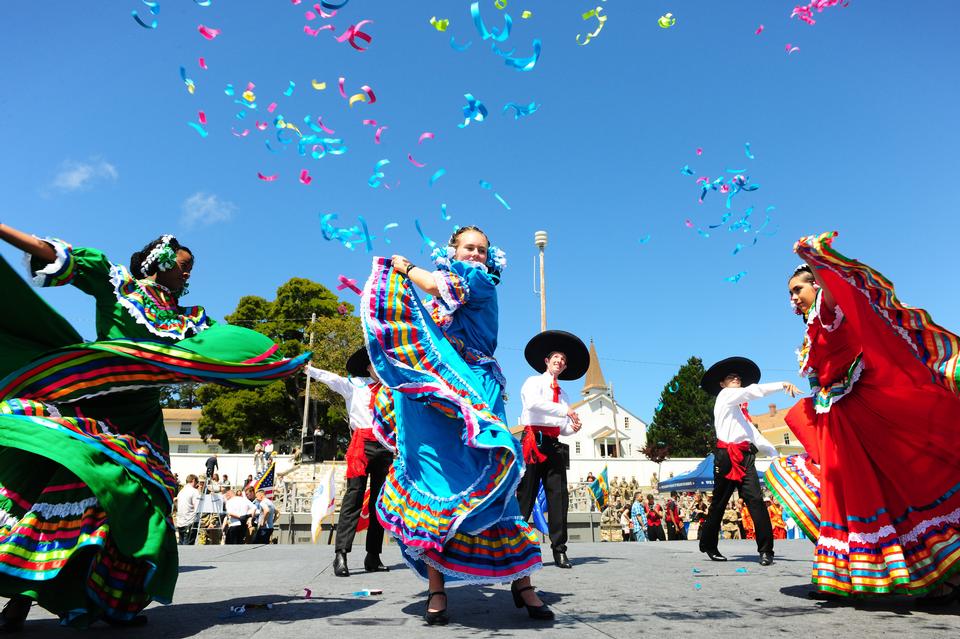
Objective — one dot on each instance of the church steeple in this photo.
(594, 381)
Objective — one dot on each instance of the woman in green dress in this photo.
(85, 482)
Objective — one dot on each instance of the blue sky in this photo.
(854, 132)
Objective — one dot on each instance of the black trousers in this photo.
(751, 493)
(238, 534)
(379, 460)
(655, 533)
(553, 474)
(188, 534)
(673, 532)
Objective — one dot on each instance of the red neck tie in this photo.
(556, 391)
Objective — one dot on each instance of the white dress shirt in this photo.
(356, 392)
(732, 425)
(539, 409)
(238, 506)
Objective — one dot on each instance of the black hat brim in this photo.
(748, 371)
(358, 362)
(540, 347)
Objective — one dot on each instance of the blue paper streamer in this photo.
(427, 242)
(387, 227)
(736, 278)
(436, 176)
(498, 35)
(290, 88)
(475, 110)
(203, 133)
(521, 111)
(526, 64)
(746, 149)
(458, 47)
(443, 212)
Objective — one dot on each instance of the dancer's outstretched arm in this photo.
(32, 245)
(419, 276)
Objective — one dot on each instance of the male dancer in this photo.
(365, 457)
(734, 381)
(546, 416)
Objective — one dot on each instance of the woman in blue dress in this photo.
(450, 497)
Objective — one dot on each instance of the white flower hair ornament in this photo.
(162, 254)
(496, 262)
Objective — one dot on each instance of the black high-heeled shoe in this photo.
(536, 612)
(14, 614)
(438, 617)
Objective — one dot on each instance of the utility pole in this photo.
(540, 240)
(616, 428)
(306, 401)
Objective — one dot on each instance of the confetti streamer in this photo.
(699, 151)
(376, 179)
(436, 176)
(791, 49)
(333, 6)
(427, 242)
(805, 12)
(229, 90)
(525, 64)
(526, 14)
(459, 47)
(439, 25)
(208, 32)
(305, 177)
(645, 239)
(601, 20)
(500, 4)
(521, 111)
(736, 278)
(154, 8)
(498, 35)
(737, 248)
(240, 135)
(203, 133)
(319, 126)
(266, 178)
(359, 97)
(486, 185)
(202, 117)
(475, 110)
(353, 32)
(319, 86)
(674, 387)
(249, 96)
(419, 165)
(290, 88)
(187, 81)
(666, 21)
(346, 282)
(315, 32)
(686, 170)
(203, 64)
(746, 149)
(443, 212)
(387, 227)
(759, 30)
(426, 135)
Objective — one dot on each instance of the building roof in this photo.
(772, 419)
(594, 380)
(182, 413)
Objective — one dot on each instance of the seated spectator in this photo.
(225, 482)
(213, 484)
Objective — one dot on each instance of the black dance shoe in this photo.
(340, 565)
(437, 617)
(766, 558)
(560, 560)
(372, 563)
(715, 555)
(542, 611)
(14, 614)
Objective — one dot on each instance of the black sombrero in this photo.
(358, 362)
(748, 371)
(538, 348)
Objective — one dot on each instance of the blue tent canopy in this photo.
(700, 478)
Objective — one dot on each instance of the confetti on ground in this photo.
(697, 586)
(208, 32)
(307, 593)
(439, 25)
(266, 178)
(666, 21)
(742, 570)
(736, 278)
(696, 571)
(367, 592)
(521, 111)
(436, 176)
(593, 13)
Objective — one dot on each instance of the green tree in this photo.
(684, 422)
(239, 418)
(183, 395)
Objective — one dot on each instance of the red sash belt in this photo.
(736, 453)
(356, 453)
(531, 452)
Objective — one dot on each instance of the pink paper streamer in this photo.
(419, 165)
(305, 177)
(208, 32)
(266, 178)
(346, 282)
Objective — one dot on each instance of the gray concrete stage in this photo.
(614, 590)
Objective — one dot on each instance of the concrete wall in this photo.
(237, 466)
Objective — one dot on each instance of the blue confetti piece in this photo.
(368, 239)
(436, 176)
(521, 111)
(736, 278)
(498, 35)
(742, 570)
(458, 47)
(427, 242)
(526, 64)
(645, 239)
(443, 212)
(697, 586)
(686, 170)
(696, 571)
(746, 149)
(387, 227)
(290, 88)
(203, 133)
(737, 248)
(229, 90)
(502, 201)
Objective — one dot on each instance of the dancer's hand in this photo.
(400, 264)
(790, 389)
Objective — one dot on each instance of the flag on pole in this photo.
(539, 510)
(265, 480)
(601, 489)
(364, 522)
(322, 504)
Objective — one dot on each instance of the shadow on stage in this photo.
(897, 605)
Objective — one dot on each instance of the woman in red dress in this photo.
(878, 489)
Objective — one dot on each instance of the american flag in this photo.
(265, 479)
